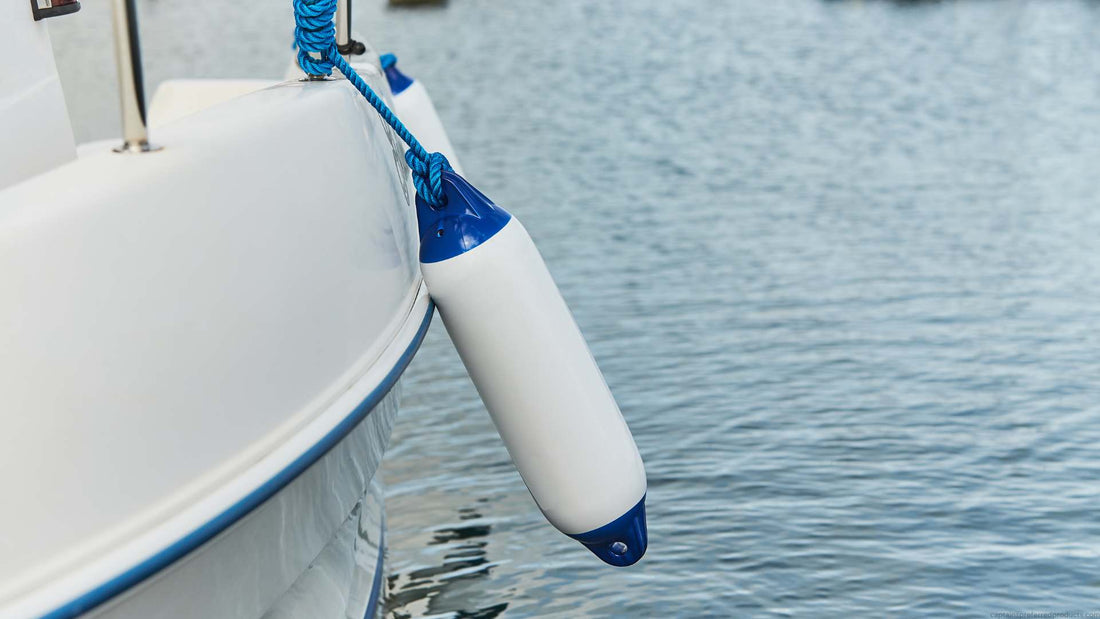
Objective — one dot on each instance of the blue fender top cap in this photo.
(623, 541)
(466, 221)
(398, 80)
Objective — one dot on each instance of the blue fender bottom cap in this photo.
(621, 543)
(466, 221)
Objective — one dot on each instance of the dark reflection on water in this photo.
(838, 261)
(417, 4)
(427, 590)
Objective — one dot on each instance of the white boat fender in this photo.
(414, 107)
(511, 327)
(532, 367)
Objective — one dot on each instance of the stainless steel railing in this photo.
(131, 86)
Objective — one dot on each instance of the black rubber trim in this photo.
(352, 48)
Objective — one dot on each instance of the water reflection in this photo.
(415, 592)
(417, 4)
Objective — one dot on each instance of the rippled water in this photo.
(839, 262)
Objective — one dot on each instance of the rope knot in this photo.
(315, 35)
(428, 176)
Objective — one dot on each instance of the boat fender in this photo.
(414, 107)
(514, 333)
(533, 369)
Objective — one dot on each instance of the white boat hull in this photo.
(200, 347)
(267, 563)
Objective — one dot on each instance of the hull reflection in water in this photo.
(464, 562)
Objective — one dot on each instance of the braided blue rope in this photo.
(315, 36)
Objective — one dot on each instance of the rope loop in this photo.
(315, 36)
(315, 33)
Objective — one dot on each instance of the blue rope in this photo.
(315, 36)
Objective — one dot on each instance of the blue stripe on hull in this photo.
(221, 522)
(376, 587)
